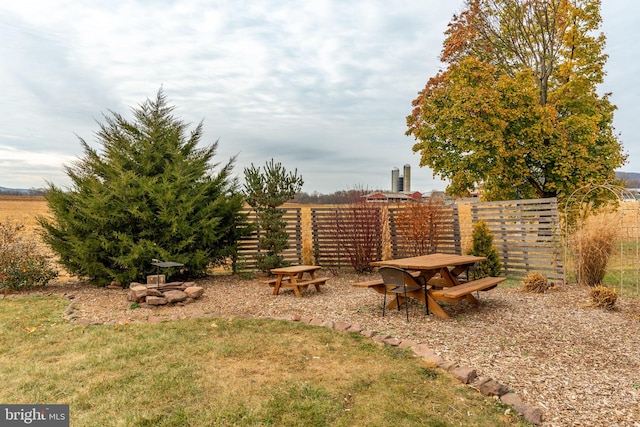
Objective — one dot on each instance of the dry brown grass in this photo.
(593, 245)
(23, 209)
(603, 297)
(536, 283)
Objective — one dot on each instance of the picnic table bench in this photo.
(458, 292)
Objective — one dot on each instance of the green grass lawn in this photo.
(239, 372)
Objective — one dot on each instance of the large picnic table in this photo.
(441, 272)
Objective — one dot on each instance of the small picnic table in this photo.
(446, 288)
(293, 277)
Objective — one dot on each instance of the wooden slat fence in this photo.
(248, 247)
(447, 239)
(526, 234)
(330, 244)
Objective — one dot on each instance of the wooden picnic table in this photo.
(441, 272)
(293, 277)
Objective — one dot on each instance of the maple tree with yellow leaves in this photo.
(516, 111)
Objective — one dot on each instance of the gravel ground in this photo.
(579, 364)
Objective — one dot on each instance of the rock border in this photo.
(466, 375)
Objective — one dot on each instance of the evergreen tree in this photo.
(483, 246)
(265, 191)
(150, 193)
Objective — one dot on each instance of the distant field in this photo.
(23, 209)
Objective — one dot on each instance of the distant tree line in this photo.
(337, 198)
(631, 179)
(22, 192)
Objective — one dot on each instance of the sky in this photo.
(323, 87)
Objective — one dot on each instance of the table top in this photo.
(430, 262)
(294, 269)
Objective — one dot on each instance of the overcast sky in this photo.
(321, 86)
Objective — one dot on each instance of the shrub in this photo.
(419, 225)
(22, 264)
(593, 246)
(535, 282)
(483, 246)
(358, 233)
(603, 297)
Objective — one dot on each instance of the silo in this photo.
(406, 180)
(395, 180)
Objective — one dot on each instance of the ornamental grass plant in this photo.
(593, 246)
(535, 283)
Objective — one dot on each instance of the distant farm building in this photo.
(385, 197)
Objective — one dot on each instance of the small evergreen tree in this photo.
(265, 191)
(149, 194)
(483, 246)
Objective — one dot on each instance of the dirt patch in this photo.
(579, 364)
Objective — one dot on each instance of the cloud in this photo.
(323, 88)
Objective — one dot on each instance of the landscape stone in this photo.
(355, 328)
(341, 326)
(448, 365)
(175, 296)
(511, 399)
(114, 285)
(464, 374)
(194, 292)
(156, 300)
(423, 351)
(381, 337)
(533, 414)
(136, 295)
(392, 341)
(407, 344)
(491, 387)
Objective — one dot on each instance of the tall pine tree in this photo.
(150, 193)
